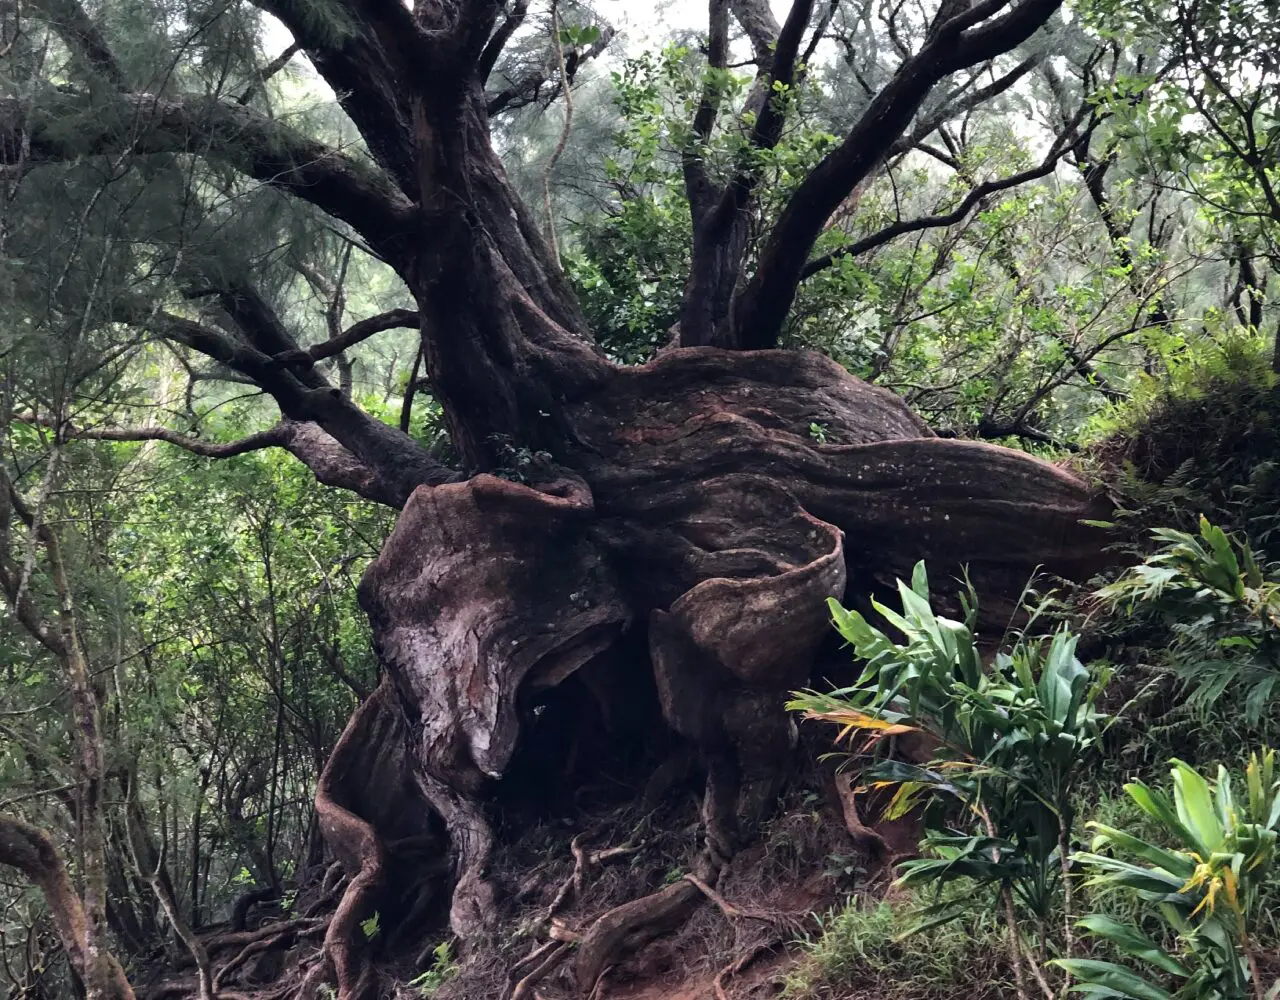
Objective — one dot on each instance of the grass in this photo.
(857, 952)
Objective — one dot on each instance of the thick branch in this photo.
(498, 41)
(762, 28)
(697, 184)
(344, 446)
(376, 57)
(266, 150)
(721, 223)
(782, 74)
(761, 309)
(83, 38)
(31, 851)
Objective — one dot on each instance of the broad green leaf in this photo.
(1157, 805)
(1133, 942)
(1194, 801)
(1178, 865)
(1124, 982)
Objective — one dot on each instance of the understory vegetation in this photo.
(1175, 897)
(561, 500)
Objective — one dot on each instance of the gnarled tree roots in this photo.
(665, 578)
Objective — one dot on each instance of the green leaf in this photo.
(1149, 880)
(1157, 805)
(920, 580)
(1123, 982)
(1178, 865)
(1194, 801)
(1133, 942)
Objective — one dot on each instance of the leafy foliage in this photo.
(444, 967)
(1008, 743)
(1223, 609)
(1206, 888)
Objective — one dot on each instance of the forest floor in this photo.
(772, 901)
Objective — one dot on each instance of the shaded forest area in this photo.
(502, 503)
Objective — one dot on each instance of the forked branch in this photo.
(958, 42)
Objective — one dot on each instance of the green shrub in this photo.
(1224, 392)
(1222, 608)
(1009, 740)
(1208, 888)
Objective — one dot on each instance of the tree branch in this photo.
(782, 72)
(376, 57)
(964, 103)
(697, 184)
(31, 851)
(362, 331)
(528, 89)
(241, 137)
(329, 461)
(762, 28)
(87, 44)
(273, 437)
(901, 228)
(346, 446)
(267, 72)
(761, 308)
(498, 40)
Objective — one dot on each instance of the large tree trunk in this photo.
(707, 502)
(698, 509)
(689, 501)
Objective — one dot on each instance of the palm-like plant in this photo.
(1223, 607)
(1206, 888)
(1009, 736)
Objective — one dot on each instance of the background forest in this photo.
(1072, 249)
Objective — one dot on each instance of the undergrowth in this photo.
(857, 952)
(1204, 438)
(1201, 439)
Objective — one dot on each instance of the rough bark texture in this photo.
(698, 508)
(716, 520)
(485, 589)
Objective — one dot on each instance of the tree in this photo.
(578, 502)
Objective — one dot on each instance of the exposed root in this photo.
(584, 861)
(519, 970)
(863, 835)
(281, 938)
(628, 927)
(553, 960)
(331, 889)
(730, 911)
(355, 841)
(241, 939)
(317, 975)
(738, 965)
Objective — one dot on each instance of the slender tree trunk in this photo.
(100, 967)
(150, 865)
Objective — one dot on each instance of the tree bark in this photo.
(30, 850)
(707, 502)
